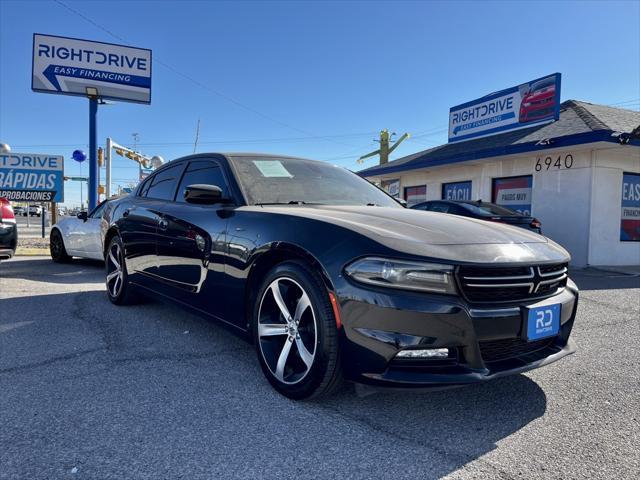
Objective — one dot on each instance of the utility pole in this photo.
(195, 144)
(385, 150)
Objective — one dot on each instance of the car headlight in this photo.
(383, 272)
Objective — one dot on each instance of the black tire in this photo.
(119, 289)
(320, 374)
(56, 247)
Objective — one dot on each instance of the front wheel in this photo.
(119, 289)
(295, 332)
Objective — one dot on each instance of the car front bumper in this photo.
(484, 342)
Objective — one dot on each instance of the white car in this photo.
(78, 236)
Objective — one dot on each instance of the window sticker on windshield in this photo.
(272, 168)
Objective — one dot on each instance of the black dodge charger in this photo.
(331, 278)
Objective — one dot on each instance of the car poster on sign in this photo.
(513, 193)
(456, 191)
(630, 214)
(32, 177)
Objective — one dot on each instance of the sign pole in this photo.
(93, 152)
(108, 172)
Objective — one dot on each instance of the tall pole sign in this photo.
(97, 70)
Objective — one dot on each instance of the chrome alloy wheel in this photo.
(287, 342)
(114, 270)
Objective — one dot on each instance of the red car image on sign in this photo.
(539, 102)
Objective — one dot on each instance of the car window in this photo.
(489, 209)
(269, 180)
(203, 172)
(163, 183)
(97, 212)
(439, 207)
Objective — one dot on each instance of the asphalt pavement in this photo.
(90, 390)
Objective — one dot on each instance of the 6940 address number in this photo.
(554, 162)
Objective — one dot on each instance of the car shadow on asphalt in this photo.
(77, 270)
(595, 279)
(443, 430)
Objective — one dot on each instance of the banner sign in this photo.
(415, 195)
(531, 103)
(630, 215)
(513, 193)
(456, 191)
(69, 66)
(392, 187)
(32, 177)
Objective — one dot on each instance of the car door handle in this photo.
(163, 224)
(128, 211)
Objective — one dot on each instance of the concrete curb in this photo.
(30, 252)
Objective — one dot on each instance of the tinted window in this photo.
(489, 209)
(439, 207)
(97, 212)
(163, 183)
(203, 172)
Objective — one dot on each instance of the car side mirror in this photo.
(203, 194)
(83, 216)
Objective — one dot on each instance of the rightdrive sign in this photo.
(69, 66)
(525, 105)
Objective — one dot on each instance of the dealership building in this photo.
(578, 173)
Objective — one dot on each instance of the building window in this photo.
(415, 195)
(630, 213)
(392, 187)
(513, 193)
(456, 190)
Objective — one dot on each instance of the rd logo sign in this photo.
(69, 66)
(32, 177)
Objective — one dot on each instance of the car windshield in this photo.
(277, 180)
(546, 83)
(489, 209)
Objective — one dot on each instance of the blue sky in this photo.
(316, 79)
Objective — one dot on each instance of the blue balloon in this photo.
(78, 156)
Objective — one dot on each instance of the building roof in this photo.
(579, 122)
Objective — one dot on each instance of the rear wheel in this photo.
(295, 332)
(56, 247)
(119, 289)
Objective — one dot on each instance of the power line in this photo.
(212, 142)
(193, 80)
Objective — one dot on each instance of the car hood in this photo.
(433, 234)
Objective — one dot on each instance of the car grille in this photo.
(498, 350)
(484, 284)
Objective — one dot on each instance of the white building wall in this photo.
(579, 207)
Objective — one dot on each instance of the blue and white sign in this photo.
(630, 215)
(531, 103)
(69, 66)
(456, 191)
(32, 177)
(543, 322)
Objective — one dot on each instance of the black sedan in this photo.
(482, 211)
(331, 278)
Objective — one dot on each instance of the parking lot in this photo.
(91, 390)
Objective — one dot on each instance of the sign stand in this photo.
(93, 153)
